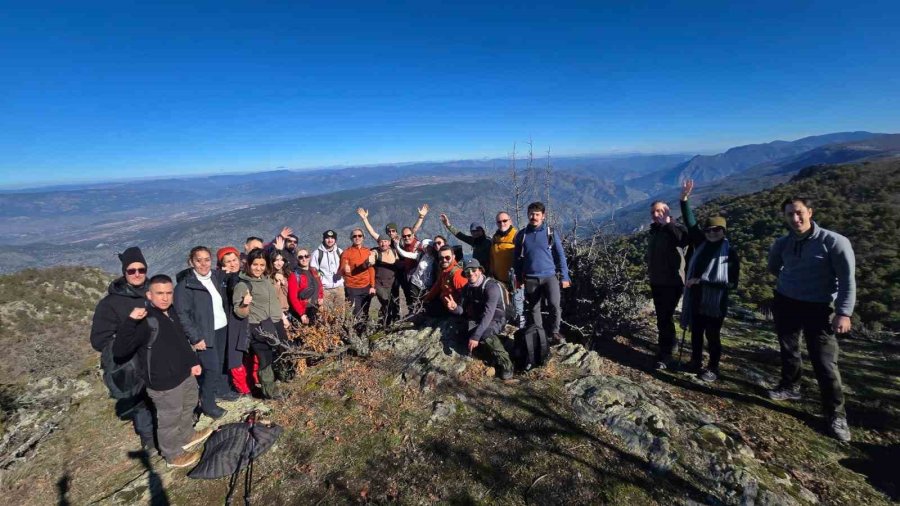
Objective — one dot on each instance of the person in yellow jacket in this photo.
(502, 254)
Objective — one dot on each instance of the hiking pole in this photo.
(681, 347)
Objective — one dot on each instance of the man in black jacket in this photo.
(481, 301)
(125, 294)
(664, 261)
(169, 367)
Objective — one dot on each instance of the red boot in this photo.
(239, 380)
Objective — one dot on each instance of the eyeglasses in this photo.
(446, 258)
(500, 222)
(301, 257)
(406, 236)
(356, 235)
(139, 270)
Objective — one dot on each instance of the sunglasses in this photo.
(291, 242)
(356, 235)
(301, 257)
(499, 222)
(714, 229)
(446, 258)
(139, 270)
(406, 236)
(468, 272)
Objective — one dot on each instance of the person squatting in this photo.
(171, 350)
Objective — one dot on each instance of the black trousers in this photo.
(711, 328)
(360, 300)
(390, 305)
(540, 291)
(813, 319)
(213, 380)
(665, 300)
(137, 409)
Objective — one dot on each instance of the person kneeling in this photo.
(481, 302)
(170, 365)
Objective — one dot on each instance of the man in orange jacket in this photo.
(450, 282)
(359, 278)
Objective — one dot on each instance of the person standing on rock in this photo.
(481, 301)
(201, 302)
(713, 270)
(502, 256)
(359, 279)
(477, 239)
(667, 240)
(540, 266)
(124, 295)
(815, 269)
(155, 334)
(326, 260)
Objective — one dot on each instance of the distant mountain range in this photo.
(88, 225)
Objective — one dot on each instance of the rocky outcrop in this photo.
(428, 355)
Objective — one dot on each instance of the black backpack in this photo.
(125, 380)
(530, 348)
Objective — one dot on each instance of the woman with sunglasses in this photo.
(305, 290)
(713, 269)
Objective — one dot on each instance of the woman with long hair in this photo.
(256, 299)
(305, 289)
(279, 276)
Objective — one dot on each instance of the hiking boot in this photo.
(506, 375)
(557, 339)
(663, 363)
(708, 376)
(214, 412)
(198, 437)
(782, 393)
(692, 367)
(839, 430)
(231, 396)
(186, 459)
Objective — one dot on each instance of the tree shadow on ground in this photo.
(879, 465)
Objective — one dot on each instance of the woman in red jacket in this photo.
(305, 291)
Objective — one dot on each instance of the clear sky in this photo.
(120, 89)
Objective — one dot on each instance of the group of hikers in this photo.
(814, 294)
(172, 349)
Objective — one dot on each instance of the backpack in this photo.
(320, 254)
(124, 380)
(530, 347)
(509, 308)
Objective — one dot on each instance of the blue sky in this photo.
(121, 89)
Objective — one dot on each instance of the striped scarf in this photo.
(713, 285)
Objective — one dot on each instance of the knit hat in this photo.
(475, 226)
(226, 250)
(714, 221)
(329, 233)
(130, 256)
(472, 264)
(390, 226)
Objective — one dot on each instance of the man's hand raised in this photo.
(445, 220)
(423, 210)
(362, 213)
(450, 303)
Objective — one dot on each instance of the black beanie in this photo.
(130, 256)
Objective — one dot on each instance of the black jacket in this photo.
(113, 310)
(663, 257)
(171, 359)
(193, 303)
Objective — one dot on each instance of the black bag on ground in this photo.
(530, 349)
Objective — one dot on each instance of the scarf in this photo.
(713, 283)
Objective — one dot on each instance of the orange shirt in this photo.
(361, 275)
(448, 283)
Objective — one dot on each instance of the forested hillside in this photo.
(860, 201)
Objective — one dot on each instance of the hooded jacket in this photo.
(193, 303)
(328, 264)
(450, 281)
(264, 304)
(481, 246)
(113, 310)
(481, 304)
(820, 267)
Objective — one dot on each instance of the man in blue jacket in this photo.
(815, 268)
(538, 259)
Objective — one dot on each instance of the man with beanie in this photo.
(478, 240)
(326, 260)
(111, 315)
(815, 268)
(170, 365)
(481, 301)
